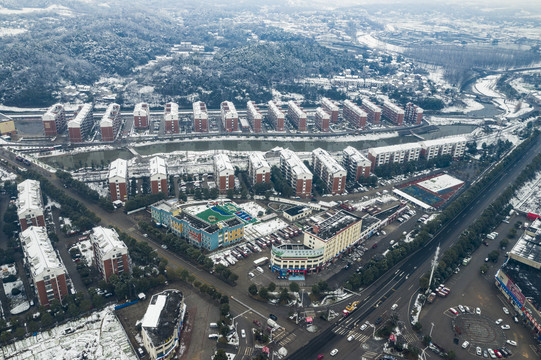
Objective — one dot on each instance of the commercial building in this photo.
(355, 163)
(393, 113)
(414, 114)
(7, 126)
(162, 324)
(46, 269)
(80, 126)
(276, 116)
(258, 168)
(158, 175)
(171, 118)
(230, 117)
(110, 253)
(373, 112)
(254, 116)
(519, 278)
(354, 115)
(296, 173)
(331, 108)
(118, 180)
(331, 237)
(296, 115)
(200, 117)
(110, 123)
(30, 204)
(394, 154)
(296, 212)
(329, 171)
(224, 173)
(454, 146)
(141, 116)
(54, 120)
(322, 120)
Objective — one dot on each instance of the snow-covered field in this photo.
(439, 120)
(487, 86)
(441, 182)
(471, 105)
(99, 336)
(528, 197)
(374, 43)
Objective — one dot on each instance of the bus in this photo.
(261, 261)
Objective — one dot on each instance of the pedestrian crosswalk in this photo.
(347, 332)
(410, 338)
(244, 352)
(369, 355)
(286, 340)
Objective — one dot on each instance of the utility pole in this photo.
(434, 264)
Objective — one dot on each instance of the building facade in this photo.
(414, 114)
(373, 112)
(110, 123)
(322, 120)
(230, 117)
(254, 116)
(296, 115)
(394, 154)
(276, 116)
(454, 146)
(162, 324)
(393, 113)
(171, 118)
(296, 173)
(331, 108)
(30, 204)
(259, 169)
(200, 117)
(354, 115)
(355, 163)
(80, 126)
(54, 120)
(110, 253)
(141, 116)
(47, 271)
(158, 175)
(329, 171)
(224, 173)
(118, 180)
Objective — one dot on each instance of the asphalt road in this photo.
(406, 274)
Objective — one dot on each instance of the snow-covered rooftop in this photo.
(293, 106)
(354, 108)
(162, 315)
(370, 105)
(112, 111)
(253, 110)
(329, 104)
(275, 110)
(222, 162)
(294, 162)
(199, 110)
(141, 109)
(171, 111)
(394, 148)
(258, 161)
(322, 113)
(157, 166)
(118, 168)
(53, 112)
(355, 156)
(228, 110)
(107, 240)
(81, 116)
(393, 107)
(444, 141)
(332, 166)
(39, 251)
(29, 198)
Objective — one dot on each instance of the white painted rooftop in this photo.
(154, 310)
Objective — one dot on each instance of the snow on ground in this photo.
(85, 247)
(7, 175)
(438, 120)
(57, 8)
(18, 303)
(471, 105)
(487, 86)
(102, 190)
(528, 197)
(252, 208)
(439, 183)
(267, 227)
(385, 198)
(416, 310)
(11, 31)
(99, 336)
(372, 42)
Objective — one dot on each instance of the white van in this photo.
(394, 306)
(214, 336)
(213, 325)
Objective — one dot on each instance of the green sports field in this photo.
(213, 217)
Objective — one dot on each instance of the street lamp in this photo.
(432, 327)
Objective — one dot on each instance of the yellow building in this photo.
(7, 126)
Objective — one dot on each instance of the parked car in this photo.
(465, 344)
(499, 321)
(478, 351)
(273, 317)
(478, 311)
(511, 342)
(334, 352)
(506, 327)
(506, 312)
(363, 327)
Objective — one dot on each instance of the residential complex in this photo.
(322, 120)
(224, 173)
(354, 115)
(54, 120)
(393, 113)
(259, 170)
(230, 117)
(47, 271)
(80, 126)
(158, 175)
(110, 123)
(141, 116)
(296, 115)
(414, 114)
(254, 116)
(331, 108)
(329, 171)
(373, 112)
(30, 204)
(276, 116)
(200, 117)
(118, 180)
(394, 154)
(356, 164)
(333, 235)
(519, 278)
(296, 173)
(454, 146)
(171, 118)
(110, 253)
(162, 324)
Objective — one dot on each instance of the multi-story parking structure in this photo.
(54, 120)
(329, 171)
(296, 173)
(354, 115)
(110, 123)
(276, 116)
